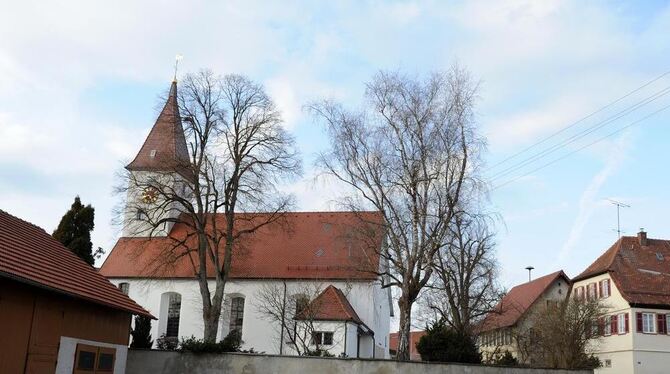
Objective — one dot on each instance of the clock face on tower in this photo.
(149, 195)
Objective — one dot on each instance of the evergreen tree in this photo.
(444, 344)
(74, 230)
(141, 333)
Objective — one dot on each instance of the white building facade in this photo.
(318, 252)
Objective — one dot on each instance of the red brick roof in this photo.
(330, 305)
(414, 337)
(29, 255)
(166, 140)
(305, 245)
(640, 273)
(518, 300)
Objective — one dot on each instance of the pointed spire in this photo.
(165, 147)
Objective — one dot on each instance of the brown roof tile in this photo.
(165, 147)
(304, 245)
(330, 305)
(641, 273)
(518, 300)
(28, 254)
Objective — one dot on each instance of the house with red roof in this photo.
(632, 280)
(314, 250)
(58, 314)
(511, 317)
(414, 337)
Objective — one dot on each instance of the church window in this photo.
(173, 314)
(124, 287)
(236, 314)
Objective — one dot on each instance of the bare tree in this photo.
(464, 287)
(237, 153)
(562, 335)
(409, 153)
(292, 310)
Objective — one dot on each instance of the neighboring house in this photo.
(314, 250)
(57, 313)
(632, 278)
(498, 332)
(414, 337)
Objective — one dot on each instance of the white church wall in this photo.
(258, 332)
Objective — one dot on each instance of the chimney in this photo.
(642, 237)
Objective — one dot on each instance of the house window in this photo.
(124, 287)
(608, 363)
(236, 314)
(621, 323)
(92, 359)
(605, 288)
(607, 328)
(322, 338)
(591, 291)
(648, 323)
(174, 311)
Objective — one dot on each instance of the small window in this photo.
(152, 154)
(621, 323)
(322, 338)
(659, 256)
(92, 359)
(86, 360)
(648, 323)
(124, 287)
(608, 363)
(139, 215)
(605, 288)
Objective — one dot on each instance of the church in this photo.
(309, 263)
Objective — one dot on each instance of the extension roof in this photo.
(330, 305)
(518, 300)
(29, 255)
(165, 147)
(301, 245)
(640, 272)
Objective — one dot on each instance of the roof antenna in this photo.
(177, 58)
(619, 205)
(529, 268)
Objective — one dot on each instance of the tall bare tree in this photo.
(408, 153)
(237, 153)
(464, 287)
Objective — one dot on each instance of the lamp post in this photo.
(529, 268)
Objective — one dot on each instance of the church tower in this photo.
(160, 167)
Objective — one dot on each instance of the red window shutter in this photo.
(639, 322)
(601, 326)
(615, 324)
(627, 327)
(600, 289)
(609, 287)
(661, 323)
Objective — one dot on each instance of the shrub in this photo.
(141, 333)
(318, 353)
(167, 343)
(231, 343)
(444, 344)
(506, 359)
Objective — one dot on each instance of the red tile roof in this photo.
(29, 255)
(330, 305)
(305, 245)
(518, 300)
(166, 140)
(414, 337)
(640, 273)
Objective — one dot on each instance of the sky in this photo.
(80, 87)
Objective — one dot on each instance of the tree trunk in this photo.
(405, 306)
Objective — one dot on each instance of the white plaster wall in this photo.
(257, 332)
(68, 348)
(352, 339)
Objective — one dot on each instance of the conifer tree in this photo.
(141, 333)
(74, 230)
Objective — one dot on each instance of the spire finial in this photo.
(177, 58)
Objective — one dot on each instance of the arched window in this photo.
(124, 287)
(236, 314)
(170, 313)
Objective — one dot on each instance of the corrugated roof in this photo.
(165, 147)
(640, 273)
(30, 255)
(330, 305)
(518, 300)
(302, 245)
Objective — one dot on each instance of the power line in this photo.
(579, 120)
(583, 147)
(581, 134)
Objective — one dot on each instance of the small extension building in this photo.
(632, 280)
(499, 330)
(56, 312)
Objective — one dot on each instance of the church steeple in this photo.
(165, 147)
